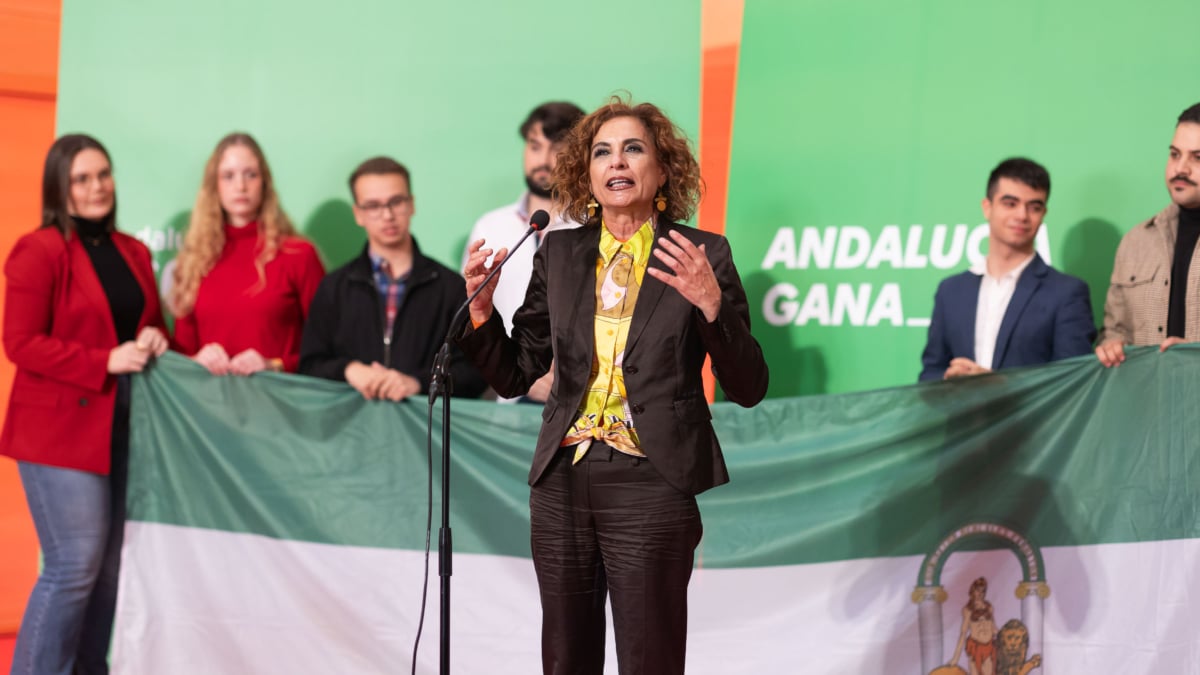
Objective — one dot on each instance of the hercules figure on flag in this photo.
(978, 632)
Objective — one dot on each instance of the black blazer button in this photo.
(632, 370)
(637, 410)
(83, 403)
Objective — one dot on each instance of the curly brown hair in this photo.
(205, 237)
(572, 188)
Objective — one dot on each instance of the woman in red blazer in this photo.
(81, 313)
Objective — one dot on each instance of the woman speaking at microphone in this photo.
(626, 308)
(81, 313)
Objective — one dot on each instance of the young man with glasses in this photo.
(378, 321)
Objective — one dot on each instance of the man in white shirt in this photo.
(543, 129)
(1011, 309)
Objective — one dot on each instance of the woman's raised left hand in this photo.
(693, 275)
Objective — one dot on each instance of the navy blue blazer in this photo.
(1049, 318)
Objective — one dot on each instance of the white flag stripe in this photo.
(203, 601)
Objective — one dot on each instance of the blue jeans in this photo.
(80, 523)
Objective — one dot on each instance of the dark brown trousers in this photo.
(610, 525)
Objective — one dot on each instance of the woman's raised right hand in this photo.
(475, 272)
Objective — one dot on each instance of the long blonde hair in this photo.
(205, 238)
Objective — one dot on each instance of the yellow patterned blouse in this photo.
(604, 413)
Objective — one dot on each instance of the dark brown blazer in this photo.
(664, 354)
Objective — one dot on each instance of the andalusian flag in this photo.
(1040, 520)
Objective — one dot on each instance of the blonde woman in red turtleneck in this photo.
(244, 279)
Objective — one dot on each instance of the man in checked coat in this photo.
(1154, 294)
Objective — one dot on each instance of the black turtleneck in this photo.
(125, 298)
(1185, 245)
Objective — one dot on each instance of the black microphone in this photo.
(537, 222)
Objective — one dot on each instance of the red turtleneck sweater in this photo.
(237, 310)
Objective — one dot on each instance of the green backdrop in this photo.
(860, 121)
(869, 115)
(440, 87)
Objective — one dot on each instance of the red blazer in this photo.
(58, 330)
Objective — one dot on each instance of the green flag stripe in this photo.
(1066, 454)
(301, 458)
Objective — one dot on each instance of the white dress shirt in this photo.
(503, 228)
(994, 295)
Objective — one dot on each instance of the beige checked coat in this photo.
(1139, 291)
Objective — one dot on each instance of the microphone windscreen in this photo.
(539, 220)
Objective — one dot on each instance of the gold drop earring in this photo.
(591, 208)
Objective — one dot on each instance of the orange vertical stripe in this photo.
(28, 86)
(720, 42)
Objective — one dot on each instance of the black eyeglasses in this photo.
(375, 209)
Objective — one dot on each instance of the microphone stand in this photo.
(441, 384)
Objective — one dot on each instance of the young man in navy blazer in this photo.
(1011, 309)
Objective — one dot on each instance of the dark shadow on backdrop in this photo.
(795, 371)
(460, 246)
(332, 228)
(1088, 252)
